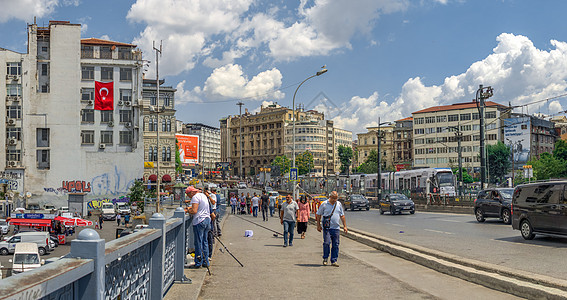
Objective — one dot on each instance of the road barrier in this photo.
(142, 265)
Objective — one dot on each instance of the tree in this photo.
(137, 194)
(548, 166)
(369, 165)
(560, 150)
(283, 162)
(467, 178)
(498, 158)
(345, 157)
(304, 163)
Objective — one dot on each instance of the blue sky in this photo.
(386, 58)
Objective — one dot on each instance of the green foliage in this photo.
(345, 157)
(178, 163)
(467, 178)
(304, 162)
(137, 194)
(560, 150)
(548, 166)
(498, 159)
(369, 166)
(283, 162)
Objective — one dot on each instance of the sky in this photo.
(385, 58)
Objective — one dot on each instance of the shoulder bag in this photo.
(327, 219)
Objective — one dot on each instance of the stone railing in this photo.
(142, 265)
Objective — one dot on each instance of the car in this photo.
(41, 238)
(396, 204)
(268, 189)
(4, 226)
(540, 208)
(494, 203)
(242, 185)
(356, 201)
(26, 258)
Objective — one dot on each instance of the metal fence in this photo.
(142, 265)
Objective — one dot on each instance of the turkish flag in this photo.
(104, 95)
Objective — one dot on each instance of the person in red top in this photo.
(303, 216)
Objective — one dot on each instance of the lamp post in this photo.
(320, 72)
(153, 109)
(379, 165)
(240, 134)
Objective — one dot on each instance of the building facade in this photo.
(159, 121)
(403, 140)
(209, 144)
(368, 142)
(435, 131)
(69, 146)
(341, 137)
(528, 137)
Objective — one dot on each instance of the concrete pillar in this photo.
(89, 245)
(157, 221)
(180, 250)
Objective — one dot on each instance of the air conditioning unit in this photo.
(12, 163)
(11, 122)
(12, 77)
(102, 146)
(12, 141)
(110, 124)
(127, 103)
(120, 103)
(90, 102)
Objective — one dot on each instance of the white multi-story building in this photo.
(209, 144)
(55, 142)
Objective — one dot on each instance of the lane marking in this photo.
(395, 224)
(517, 243)
(447, 220)
(437, 231)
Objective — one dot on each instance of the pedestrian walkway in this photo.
(272, 271)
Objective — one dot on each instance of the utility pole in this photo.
(459, 136)
(481, 94)
(240, 133)
(158, 180)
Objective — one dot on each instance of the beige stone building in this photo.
(403, 141)
(367, 142)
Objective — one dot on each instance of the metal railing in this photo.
(142, 265)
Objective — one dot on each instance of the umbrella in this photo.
(74, 221)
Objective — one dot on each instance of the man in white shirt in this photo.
(201, 224)
(255, 205)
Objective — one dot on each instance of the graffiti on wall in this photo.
(76, 186)
(97, 203)
(111, 183)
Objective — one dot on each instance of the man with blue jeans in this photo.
(331, 235)
(201, 225)
(288, 215)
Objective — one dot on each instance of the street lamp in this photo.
(379, 165)
(157, 111)
(320, 72)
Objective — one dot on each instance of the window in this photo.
(126, 74)
(106, 137)
(125, 137)
(125, 95)
(87, 115)
(441, 129)
(453, 118)
(151, 154)
(163, 125)
(87, 51)
(87, 137)
(466, 127)
(419, 141)
(430, 141)
(163, 154)
(14, 68)
(42, 137)
(106, 116)
(490, 126)
(429, 120)
(168, 127)
(13, 89)
(87, 73)
(14, 112)
(106, 73)
(153, 101)
(441, 119)
(13, 155)
(418, 121)
(43, 159)
(475, 116)
(44, 69)
(490, 115)
(418, 131)
(105, 52)
(430, 130)
(491, 137)
(87, 94)
(125, 116)
(465, 117)
(168, 154)
(14, 133)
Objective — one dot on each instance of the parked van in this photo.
(540, 208)
(26, 258)
(108, 212)
(41, 238)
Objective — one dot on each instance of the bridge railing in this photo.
(142, 265)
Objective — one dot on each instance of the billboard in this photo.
(517, 137)
(188, 148)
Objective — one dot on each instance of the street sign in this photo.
(293, 174)
(148, 164)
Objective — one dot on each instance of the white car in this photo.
(4, 227)
(242, 185)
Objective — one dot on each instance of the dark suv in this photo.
(396, 204)
(494, 203)
(355, 201)
(540, 208)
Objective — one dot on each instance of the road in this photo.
(491, 241)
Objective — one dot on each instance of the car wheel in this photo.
(368, 208)
(381, 211)
(392, 211)
(527, 230)
(479, 215)
(41, 251)
(506, 216)
(4, 251)
(412, 212)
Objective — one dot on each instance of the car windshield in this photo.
(357, 197)
(27, 258)
(445, 179)
(398, 197)
(3, 223)
(507, 193)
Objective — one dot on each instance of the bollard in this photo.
(89, 245)
(180, 251)
(157, 221)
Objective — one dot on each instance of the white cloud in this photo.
(230, 82)
(518, 71)
(183, 96)
(105, 37)
(26, 9)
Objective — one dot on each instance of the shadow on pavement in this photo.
(546, 241)
(310, 265)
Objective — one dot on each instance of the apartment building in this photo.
(435, 132)
(209, 144)
(403, 140)
(368, 142)
(528, 137)
(341, 137)
(159, 121)
(56, 143)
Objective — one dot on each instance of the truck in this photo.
(108, 211)
(123, 208)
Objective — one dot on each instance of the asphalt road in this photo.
(491, 241)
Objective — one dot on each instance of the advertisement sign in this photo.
(517, 137)
(188, 148)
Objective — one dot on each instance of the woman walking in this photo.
(303, 216)
(248, 204)
(233, 203)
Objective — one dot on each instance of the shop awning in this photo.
(153, 178)
(166, 178)
(31, 222)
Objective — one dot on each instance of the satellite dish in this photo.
(11, 195)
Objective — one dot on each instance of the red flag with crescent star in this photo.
(104, 95)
